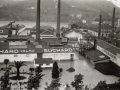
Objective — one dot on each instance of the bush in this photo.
(55, 71)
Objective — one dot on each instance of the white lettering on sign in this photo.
(9, 51)
(58, 50)
(16, 51)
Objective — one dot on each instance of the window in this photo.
(27, 55)
(15, 55)
(1, 31)
(38, 46)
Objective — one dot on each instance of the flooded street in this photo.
(80, 64)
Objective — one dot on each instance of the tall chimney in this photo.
(38, 22)
(58, 19)
(113, 25)
(99, 32)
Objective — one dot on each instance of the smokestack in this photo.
(38, 22)
(58, 19)
(99, 32)
(113, 25)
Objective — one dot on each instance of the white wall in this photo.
(19, 57)
(58, 56)
(3, 36)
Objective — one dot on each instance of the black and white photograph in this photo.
(59, 44)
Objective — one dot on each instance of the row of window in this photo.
(14, 46)
(17, 43)
(16, 55)
(1, 31)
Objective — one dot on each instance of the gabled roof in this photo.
(14, 27)
(4, 31)
(80, 24)
(110, 22)
(43, 61)
(44, 30)
(20, 37)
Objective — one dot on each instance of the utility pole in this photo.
(113, 24)
(58, 19)
(99, 31)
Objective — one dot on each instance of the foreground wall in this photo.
(18, 57)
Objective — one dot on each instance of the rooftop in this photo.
(96, 55)
(113, 49)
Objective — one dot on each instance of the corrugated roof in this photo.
(113, 49)
(103, 44)
(96, 55)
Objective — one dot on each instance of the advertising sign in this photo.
(59, 50)
(16, 51)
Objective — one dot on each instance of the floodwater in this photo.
(81, 66)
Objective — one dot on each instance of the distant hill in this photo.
(70, 10)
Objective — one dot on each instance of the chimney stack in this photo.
(113, 25)
(58, 19)
(38, 22)
(99, 32)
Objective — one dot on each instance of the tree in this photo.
(18, 65)
(31, 70)
(33, 81)
(6, 61)
(77, 83)
(54, 85)
(5, 80)
(38, 69)
(55, 71)
(101, 86)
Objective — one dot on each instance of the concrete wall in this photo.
(18, 57)
(58, 56)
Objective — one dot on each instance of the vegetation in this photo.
(18, 65)
(31, 70)
(5, 81)
(6, 61)
(54, 85)
(77, 83)
(55, 70)
(101, 86)
(38, 70)
(33, 81)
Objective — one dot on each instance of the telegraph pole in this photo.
(99, 32)
(113, 24)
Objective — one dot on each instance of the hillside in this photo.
(70, 10)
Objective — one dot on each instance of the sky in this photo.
(116, 2)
